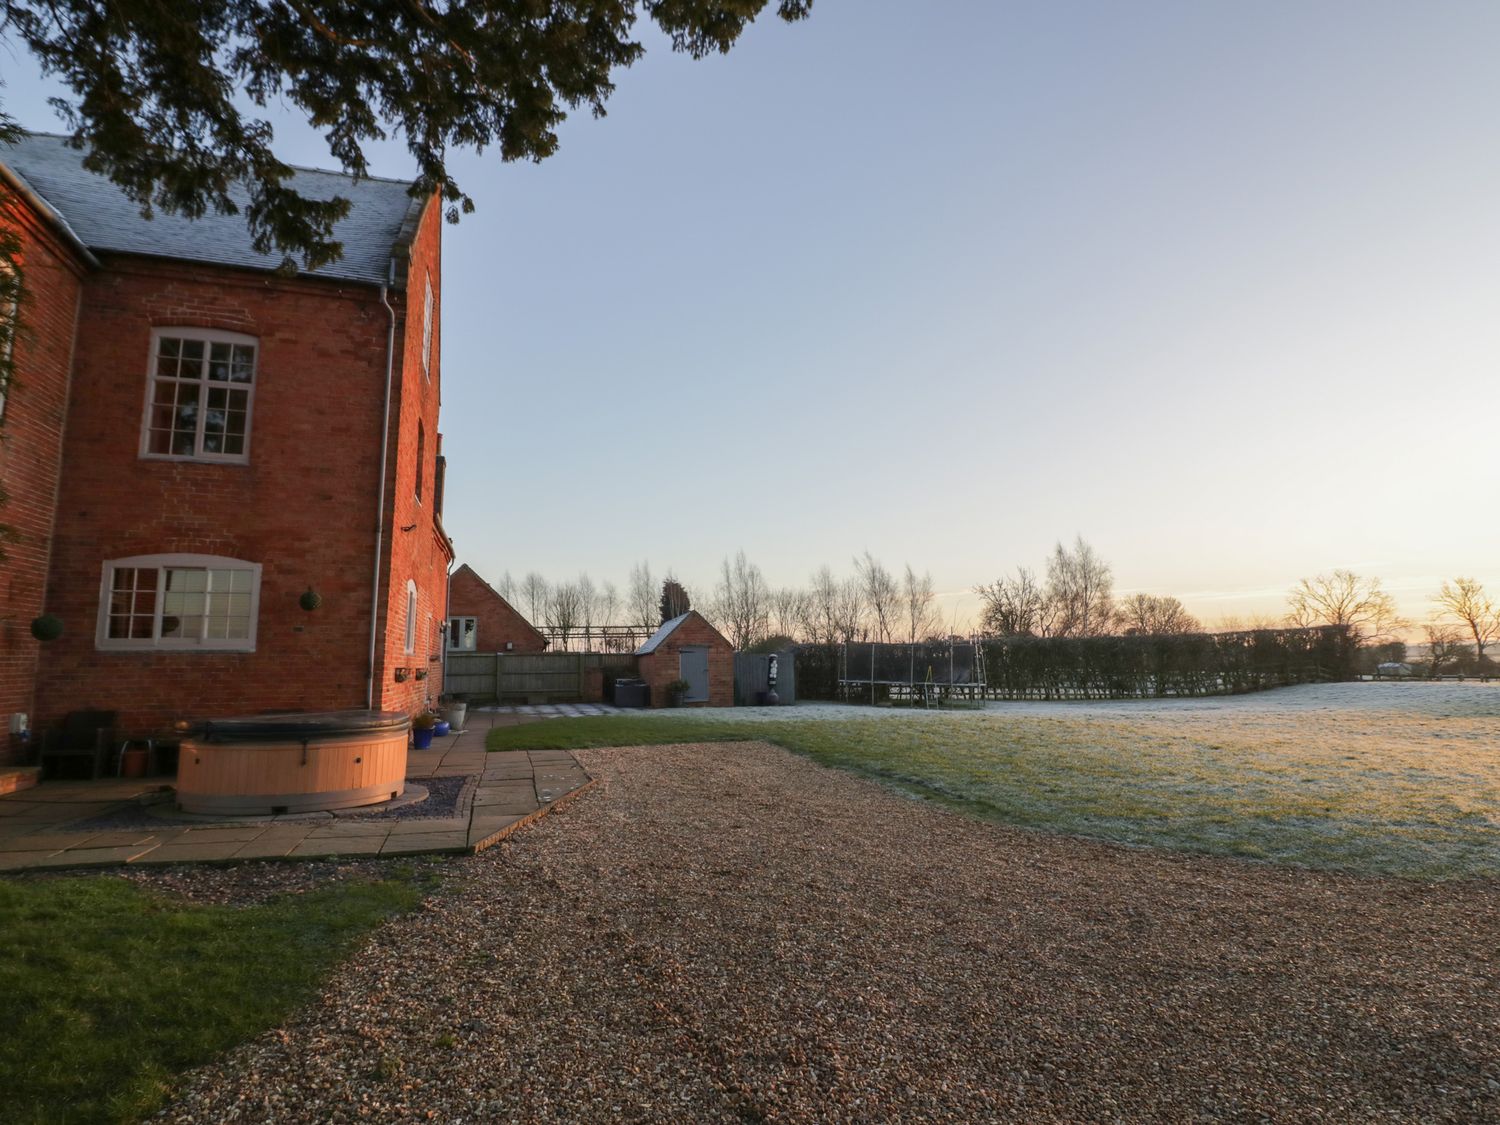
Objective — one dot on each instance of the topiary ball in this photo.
(47, 627)
(310, 600)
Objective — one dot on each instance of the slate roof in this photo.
(666, 630)
(103, 219)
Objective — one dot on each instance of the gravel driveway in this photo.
(731, 933)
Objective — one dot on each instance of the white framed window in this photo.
(463, 634)
(199, 394)
(410, 642)
(427, 329)
(205, 603)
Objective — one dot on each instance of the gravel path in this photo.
(730, 933)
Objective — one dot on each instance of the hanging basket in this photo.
(47, 627)
(310, 600)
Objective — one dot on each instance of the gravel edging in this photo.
(731, 933)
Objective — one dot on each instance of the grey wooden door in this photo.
(693, 663)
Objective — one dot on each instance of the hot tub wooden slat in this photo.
(265, 777)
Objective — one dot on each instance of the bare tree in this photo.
(535, 594)
(1150, 615)
(1016, 607)
(881, 595)
(1465, 600)
(564, 610)
(789, 612)
(1344, 598)
(507, 588)
(588, 608)
(609, 603)
(850, 619)
(642, 597)
(920, 619)
(1081, 586)
(742, 602)
(823, 595)
(1446, 647)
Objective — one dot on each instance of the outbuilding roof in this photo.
(381, 216)
(662, 633)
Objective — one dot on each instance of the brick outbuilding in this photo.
(197, 437)
(481, 620)
(688, 648)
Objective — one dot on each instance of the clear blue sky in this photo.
(1217, 286)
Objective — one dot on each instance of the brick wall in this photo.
(31, 449)
(304, 507)
(497, 622)
(417, 550)
(661, 667)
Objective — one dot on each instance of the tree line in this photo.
(870, 602)
(1070, 596)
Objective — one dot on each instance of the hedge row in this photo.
(1126, 667)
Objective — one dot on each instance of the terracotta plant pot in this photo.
(133, 762)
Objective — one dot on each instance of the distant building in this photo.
(195, 440)
(480, 620)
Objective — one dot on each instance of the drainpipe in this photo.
(385, 442)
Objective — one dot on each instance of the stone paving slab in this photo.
(38, 825)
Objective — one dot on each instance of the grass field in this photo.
(1376, 779)
(108, 990)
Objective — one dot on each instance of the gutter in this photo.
(385, 444)
(24, 190)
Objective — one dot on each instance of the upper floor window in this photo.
(199, 394)
(427, 329)
(203, 602)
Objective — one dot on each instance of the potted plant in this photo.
(422, 724)
(676, 692)
(455, 709)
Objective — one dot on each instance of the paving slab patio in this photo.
(47, 825)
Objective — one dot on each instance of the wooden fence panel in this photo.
(546, 677)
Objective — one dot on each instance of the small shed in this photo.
(688, 648)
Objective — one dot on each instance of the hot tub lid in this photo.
(293, 726)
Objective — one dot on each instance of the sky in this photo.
(1214, 286)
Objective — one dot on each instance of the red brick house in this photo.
(195, 439)
(481, 620)
(688, 648)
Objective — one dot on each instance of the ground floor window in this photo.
(463, 634)
(409, 641)
(203, 602)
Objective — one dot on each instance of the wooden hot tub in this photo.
(267, 764)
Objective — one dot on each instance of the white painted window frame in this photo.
(156, 643)
(472, 634)
(411, 618)
(208, 336)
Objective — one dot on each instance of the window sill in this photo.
(195, 459)
(169, 649)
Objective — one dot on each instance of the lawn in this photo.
(1395, 788)
(108, 990)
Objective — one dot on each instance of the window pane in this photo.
(192, 350)
(187, 578)
(242, 368)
